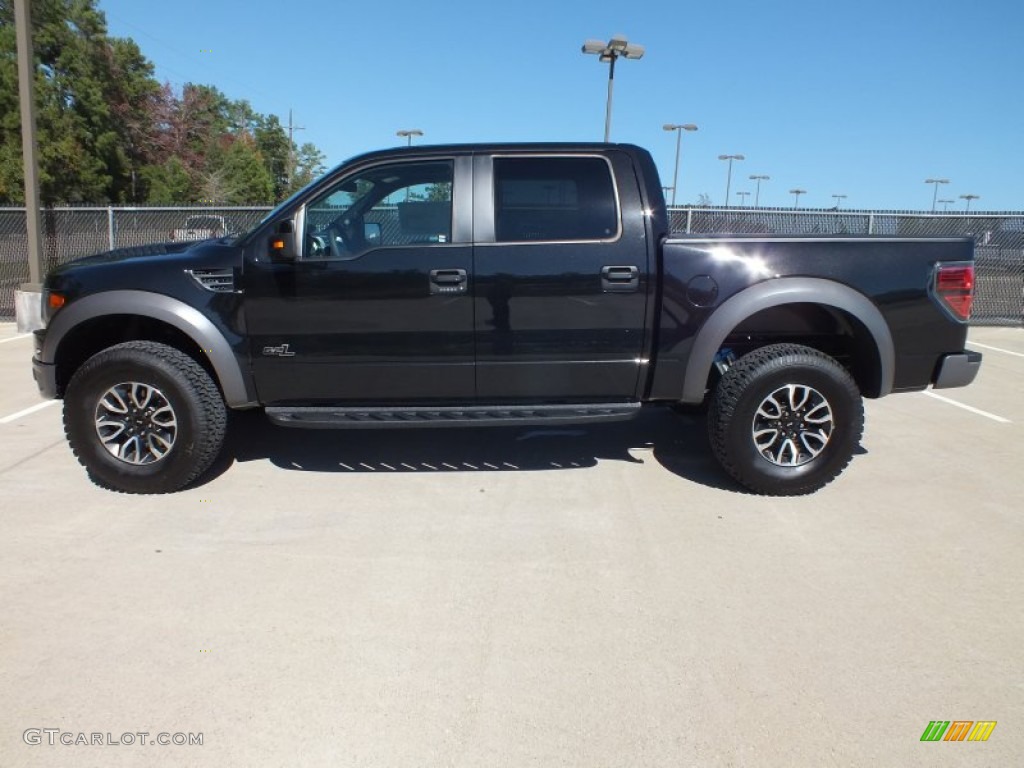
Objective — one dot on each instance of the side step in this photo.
(453, 416)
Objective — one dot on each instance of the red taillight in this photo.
(954, 285)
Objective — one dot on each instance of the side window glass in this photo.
(385, 206)
(554, 198)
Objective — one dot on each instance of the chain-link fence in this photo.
(72, 232)
(69, 233)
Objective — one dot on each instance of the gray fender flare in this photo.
(774, 293)
(186, 319)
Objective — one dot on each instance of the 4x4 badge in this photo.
(281, 351)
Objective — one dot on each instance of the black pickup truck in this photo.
(497, 284)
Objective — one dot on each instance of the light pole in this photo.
(935, 194)
(839, 199)
(796, 196)
(408, 134)
(608, 53)
(743, 198)
(968, 198)
(728, 178)
(757, 192)
(945, 204)
(679, 135)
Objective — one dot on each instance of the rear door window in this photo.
(545, 199)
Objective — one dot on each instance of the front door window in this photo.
(404, 204)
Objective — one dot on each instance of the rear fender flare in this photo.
(774, 293)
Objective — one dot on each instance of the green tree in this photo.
(107, 131)
(242, 177)
(272, 142)
(167, 184)
(131, 96)
(309, 164)
(85, 86)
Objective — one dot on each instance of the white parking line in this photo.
(978, 411)
(27, 411)
(994, 349)
(15, 338)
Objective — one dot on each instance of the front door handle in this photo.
(447, 281)
(620, 279)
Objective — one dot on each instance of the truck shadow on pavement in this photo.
(677, 441)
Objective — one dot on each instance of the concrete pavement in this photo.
(586, 597)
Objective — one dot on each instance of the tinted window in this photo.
(391, 205)
(553, 198)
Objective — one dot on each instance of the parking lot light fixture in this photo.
(968, 198)
(728, 178)
(935, 194)
(796, 196)
(679, 134)
(408, 133)
(617, 47)
(757, 192)
(839, 200)
(946, 203)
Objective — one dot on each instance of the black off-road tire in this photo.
(767, 445)
(178, 388)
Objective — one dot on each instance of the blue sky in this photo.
(865, 99)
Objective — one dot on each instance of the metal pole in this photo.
(675, 175)
(291, 147)
(935, 195)
(757, 193)
(608, 106)
(26, 85)
(728, 183)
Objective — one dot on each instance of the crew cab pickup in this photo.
(202, 227)
(489, 285)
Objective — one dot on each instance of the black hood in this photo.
(121, 254)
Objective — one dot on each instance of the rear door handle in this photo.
(448, 281)
(624, 279)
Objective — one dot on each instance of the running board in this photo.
(477, 415)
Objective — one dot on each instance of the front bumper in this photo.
(45, 374)
(957, 370)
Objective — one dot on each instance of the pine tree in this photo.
(244, 175)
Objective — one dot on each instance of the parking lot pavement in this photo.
(591, 597)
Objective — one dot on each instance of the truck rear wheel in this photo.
(785, 420)
(143, 417)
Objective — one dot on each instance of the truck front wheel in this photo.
(144, 417)
(785, 420)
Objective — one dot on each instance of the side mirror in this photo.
(282, 244)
